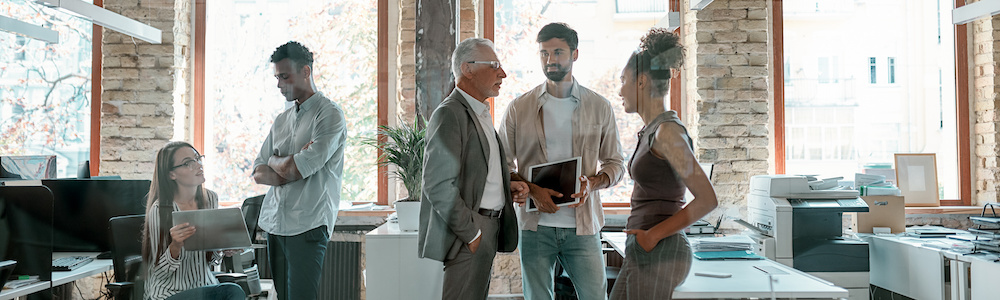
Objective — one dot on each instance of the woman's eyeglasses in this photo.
(190, 164)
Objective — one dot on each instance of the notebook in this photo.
(215, 229)
(720, 255)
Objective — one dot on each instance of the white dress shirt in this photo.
(311, 202)
(493, 191)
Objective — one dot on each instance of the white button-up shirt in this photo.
(493, 196)
(311, 202)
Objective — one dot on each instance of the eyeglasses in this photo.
(190, 164)
(493, 64)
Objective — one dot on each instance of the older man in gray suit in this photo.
(466, 211)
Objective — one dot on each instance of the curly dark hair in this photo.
(659, 52)
(294, 51)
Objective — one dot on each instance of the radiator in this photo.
(341, 279)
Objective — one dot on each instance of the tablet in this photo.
(561, 176)
(215, 229)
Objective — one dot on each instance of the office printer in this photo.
(801, 227)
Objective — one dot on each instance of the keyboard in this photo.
(69, 263)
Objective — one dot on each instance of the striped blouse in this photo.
(170, 276)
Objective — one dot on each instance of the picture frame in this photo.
(916, 177)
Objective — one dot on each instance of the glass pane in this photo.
(609, 30)
(889, 99)
(242, 97)
(45, 88)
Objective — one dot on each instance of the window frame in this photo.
(961, 101)
(382, 83)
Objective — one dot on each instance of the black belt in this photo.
(489, 213)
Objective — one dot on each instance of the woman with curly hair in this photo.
(657, 254)
(171, 271)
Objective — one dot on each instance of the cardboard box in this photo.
(883, 211)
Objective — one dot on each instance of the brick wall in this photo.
(140, 85)
(726, 83)
(985, 53)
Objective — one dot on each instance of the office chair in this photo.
(126, 256)
(243, 268)
(126, 252)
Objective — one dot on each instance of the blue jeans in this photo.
(580, 255)
(222, 291)
(297, 262)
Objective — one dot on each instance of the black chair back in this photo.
(126, 246)
(251, 212)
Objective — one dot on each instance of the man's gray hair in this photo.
(464, 52)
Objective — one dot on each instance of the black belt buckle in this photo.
(490, 213)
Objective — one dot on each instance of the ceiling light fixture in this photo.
(29, 30)
(108, 19)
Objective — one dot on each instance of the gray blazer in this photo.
(455, 163)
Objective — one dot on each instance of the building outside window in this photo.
(835, 128)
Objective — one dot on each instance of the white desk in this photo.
(905, 265)
(747, 281)
(393, 270)
(95, 267)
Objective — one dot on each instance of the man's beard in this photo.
(558, 75)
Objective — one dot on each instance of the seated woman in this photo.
(657, 254)
(171, 271)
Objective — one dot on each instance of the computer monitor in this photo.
(26, 229)
(83, 207)
(28, 166)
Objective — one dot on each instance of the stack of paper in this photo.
(700, 227)
(723, 243)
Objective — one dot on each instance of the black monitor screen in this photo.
(83, 207)
(25, 235)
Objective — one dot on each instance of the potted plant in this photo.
(403, 147)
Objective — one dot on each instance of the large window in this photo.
(609, 30)
(890, 93)
(45, 89)
(241, 97)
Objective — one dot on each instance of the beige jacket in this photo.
(595, 139)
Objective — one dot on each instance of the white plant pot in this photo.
(408, 214)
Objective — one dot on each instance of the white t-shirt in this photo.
(557, 118)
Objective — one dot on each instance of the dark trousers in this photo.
(467, 276)
(297, 263)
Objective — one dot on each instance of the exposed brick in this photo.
(730, 37)
(138, 109)
(704, 37)
(732, 83)
(750, 25)
(747, 3)
(713, 26)
(757, 37)
(731, 60)
(120, 73)
(752, 48)
(748, 71)
(713, 71)
(141, 132)
(716, 49)
(757, 13)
